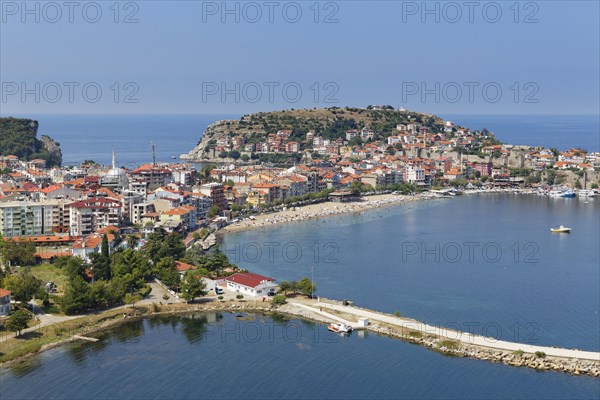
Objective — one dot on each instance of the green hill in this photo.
(18, 136)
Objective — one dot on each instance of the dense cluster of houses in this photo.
(66, 209)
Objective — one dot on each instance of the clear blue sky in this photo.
(376, 53)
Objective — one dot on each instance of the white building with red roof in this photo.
(251, 284)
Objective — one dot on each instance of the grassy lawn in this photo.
(31, 342)
(48, 272)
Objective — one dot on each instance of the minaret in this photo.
(114, 159)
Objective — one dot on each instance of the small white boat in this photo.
(587, 193)
(339, 327)
(561, 229)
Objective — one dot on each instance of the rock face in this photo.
(52, 147)
(18, 136)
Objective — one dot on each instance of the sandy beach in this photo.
(320, 210)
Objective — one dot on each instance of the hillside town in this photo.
(70, 206)
(112, 236)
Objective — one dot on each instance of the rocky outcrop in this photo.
(52, 147)
(18, 137)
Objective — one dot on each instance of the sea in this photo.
(240, 356)
(484, 263)
(85, 137)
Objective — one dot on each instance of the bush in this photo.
(145, 291)
(415, 334)
(279, 299)
(239, 296)
(518, 352)
(220, 297)
(449, 344)
(540, 354)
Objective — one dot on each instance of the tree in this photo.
(73, 266)
(160, 245)
(356, 188)
(213, 211)
(306, 287)
(18, 252)
(166, 271)
(132, 241)
(284, 287)
(77, 296)
(551, 176)
(132, 299)
(245, 157)
(24, 286)
(192, 286)
(18, 321)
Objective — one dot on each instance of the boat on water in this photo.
(339, 327)
(587, 193)
(562, 193)
(561, 229)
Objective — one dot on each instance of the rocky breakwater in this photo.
(538, 361)
(516, 359)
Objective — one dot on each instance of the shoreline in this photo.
(320, 210)
(298, 308)
(434, 341)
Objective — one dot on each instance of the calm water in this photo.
(485, 261)
(84, 137)
(560, 131)
(93, 137)
(220, 357)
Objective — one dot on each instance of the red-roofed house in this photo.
(250, 284)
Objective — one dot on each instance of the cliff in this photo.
(18, 136)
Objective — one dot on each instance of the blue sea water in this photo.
(560, 131)
(484, 263)
(84, 137)
(93, 137)
(528, 286)
(217, 356)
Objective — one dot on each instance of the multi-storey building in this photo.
(87, 216)
(29, 218)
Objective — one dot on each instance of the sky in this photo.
(195, 57)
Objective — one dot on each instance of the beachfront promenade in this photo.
(321, 307)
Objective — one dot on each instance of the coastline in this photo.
(436, 341)
(296, 309)
(320, 210)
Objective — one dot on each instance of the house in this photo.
(182, 267)
(85, 246)
(251, 284)
(4, 302)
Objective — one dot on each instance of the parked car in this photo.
(218, 290)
